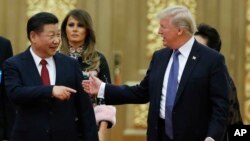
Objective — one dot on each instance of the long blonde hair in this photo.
(89, 54)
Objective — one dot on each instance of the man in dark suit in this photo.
(7, 112)
(46, 88)
(190, 104)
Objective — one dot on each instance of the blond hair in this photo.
(180, 17)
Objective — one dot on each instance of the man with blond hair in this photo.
(185, 84)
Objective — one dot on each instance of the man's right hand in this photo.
(62, 92)
(92, 85)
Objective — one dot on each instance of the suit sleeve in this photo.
(20, 93)
(219, 91)
(123, 94)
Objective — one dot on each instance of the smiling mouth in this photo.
(54, 48)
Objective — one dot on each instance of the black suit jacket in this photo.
(201, 104)
(7, 112)
(41, 117)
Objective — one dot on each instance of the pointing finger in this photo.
(70, 90)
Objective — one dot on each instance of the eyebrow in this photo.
(54, 31)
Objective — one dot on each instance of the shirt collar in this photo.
(38, 59)
(186, 48)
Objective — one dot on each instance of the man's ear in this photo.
(33, 36)
(180, 31)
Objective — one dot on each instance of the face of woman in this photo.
(76, 32)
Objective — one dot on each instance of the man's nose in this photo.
(159, 31)
(57, 40)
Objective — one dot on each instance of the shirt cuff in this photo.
(101, 90)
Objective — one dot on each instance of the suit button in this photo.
(47, 131)
(51, 113)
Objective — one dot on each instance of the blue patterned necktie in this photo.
(171, 93)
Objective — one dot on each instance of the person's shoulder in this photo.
(208, 55)
(63, 56)
(4, 41)
(100, 54)
(162, 51)
(17, 57)
(207, 50)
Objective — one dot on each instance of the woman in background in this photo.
(78, 41)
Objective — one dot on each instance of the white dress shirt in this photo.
(184, 53)
(50, 66)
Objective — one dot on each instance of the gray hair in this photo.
(180, 17)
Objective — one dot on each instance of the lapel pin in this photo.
(194, 58)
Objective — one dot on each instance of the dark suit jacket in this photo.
(201, 104)
(41, 117)
(7, 112)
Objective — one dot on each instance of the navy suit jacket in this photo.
(41, 117)
(201, 103)
(7, 112)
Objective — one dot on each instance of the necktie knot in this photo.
(43, 62)
(176, 52)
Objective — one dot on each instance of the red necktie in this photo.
(45, 73)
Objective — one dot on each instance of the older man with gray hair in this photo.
(185, 84)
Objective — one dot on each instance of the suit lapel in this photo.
(28, 61)
(193, 59)
(164, 64)
(59, 67)
(161, 66)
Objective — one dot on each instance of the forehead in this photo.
(165, 21)
(72, 19)
(51, 28)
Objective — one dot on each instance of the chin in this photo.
(53, 53)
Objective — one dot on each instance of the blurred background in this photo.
(126, 33)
